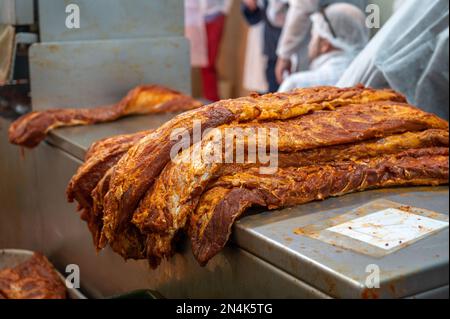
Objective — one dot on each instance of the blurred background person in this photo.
(295, 37)
(338, 35)
(257, 13)
(205, 21)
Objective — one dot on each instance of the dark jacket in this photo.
(271, 33)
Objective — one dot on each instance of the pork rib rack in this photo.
(331, 142)
(30, 129)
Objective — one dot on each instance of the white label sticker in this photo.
(389, 228)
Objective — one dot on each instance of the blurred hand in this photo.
(283, 66)
(251, 5)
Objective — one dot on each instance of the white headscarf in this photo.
(349, 24)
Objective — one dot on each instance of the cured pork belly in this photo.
(330, 142)
(231, 196)
(132, 178)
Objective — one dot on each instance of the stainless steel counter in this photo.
(266, 258)
(339, 272)
(76, 140)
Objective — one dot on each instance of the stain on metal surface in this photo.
(343, 231)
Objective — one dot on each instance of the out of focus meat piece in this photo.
(32, 128)
(33, 279)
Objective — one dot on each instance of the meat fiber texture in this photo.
(330, 142)
(30, 129)
(36, 278)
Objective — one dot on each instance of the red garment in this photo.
(214, 31)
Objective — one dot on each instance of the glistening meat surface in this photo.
(137, 170)
(163, 213)
(100, 157)
(347, 124)
(330, 142)
(228, 199)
